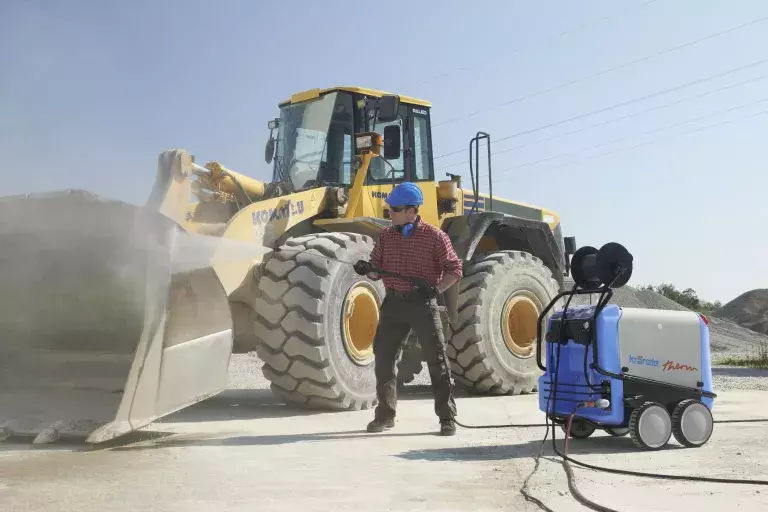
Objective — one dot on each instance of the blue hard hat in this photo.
(405, 194)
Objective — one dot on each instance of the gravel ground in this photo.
(243, 451)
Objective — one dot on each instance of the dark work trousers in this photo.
(399, 314)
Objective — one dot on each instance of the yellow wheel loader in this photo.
(114, 315)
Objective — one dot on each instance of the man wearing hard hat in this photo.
(411, 248)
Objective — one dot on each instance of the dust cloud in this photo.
(77, 270)
(193, 252)
(73, 270)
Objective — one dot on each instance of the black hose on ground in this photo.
(566, 459)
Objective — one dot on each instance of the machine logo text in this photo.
(379, 195)
(283, 211)
(673, 366)
(643, 361)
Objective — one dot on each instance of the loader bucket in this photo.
(98, 335)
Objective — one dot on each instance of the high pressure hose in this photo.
(564, 456)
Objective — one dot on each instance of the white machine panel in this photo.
(661, 345)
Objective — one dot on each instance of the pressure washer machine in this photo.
(642, 372)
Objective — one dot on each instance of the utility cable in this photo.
(611, 121)
(606, 71)
(618, 105)
(654, 141)
(570, 476)
(546, 39)
(537, 459)
(630, 137)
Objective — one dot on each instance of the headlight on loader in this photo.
(370, 142)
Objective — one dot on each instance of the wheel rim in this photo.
(696, 423)
(361, 318)
(518, 325)
(655, 426)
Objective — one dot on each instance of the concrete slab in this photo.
(243, 450)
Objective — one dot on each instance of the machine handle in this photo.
(546, 310)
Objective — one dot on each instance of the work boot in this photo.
(447, 427)
(380, 425)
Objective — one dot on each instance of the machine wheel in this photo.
(617, 432)
(579, 429)
(650, 426)
(692, 423)
(410, 364)
(316, 320)
(493, 346)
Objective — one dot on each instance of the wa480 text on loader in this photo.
(102, 332)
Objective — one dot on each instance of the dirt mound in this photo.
(726, 337)
(749, 310)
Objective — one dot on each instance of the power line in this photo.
(544, 40)
(649, 132)
(610, 70)
(654, 141)
(617, 105)
(610, 121)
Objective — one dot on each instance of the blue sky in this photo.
(92, 91)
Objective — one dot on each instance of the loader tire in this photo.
(492, 348)
(300, 322)
(410, 364)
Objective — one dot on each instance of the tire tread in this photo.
(290, 325)
(473, 367)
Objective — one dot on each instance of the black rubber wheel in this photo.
(410, 364)
(489, 350)
(692, 423)
(300, 315)
(579, 429)
(617, 432)
(650, 426)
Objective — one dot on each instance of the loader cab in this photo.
(315, 141)
(316, 144)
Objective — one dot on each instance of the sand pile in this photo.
(749, 310)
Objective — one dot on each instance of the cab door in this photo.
(414, 164)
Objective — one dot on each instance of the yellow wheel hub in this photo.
(361, 318)
(518, 325)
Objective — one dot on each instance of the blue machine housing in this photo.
(572, 386)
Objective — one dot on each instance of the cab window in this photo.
(422, 168)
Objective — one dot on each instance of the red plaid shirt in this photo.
(427, 254)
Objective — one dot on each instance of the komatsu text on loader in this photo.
(108, 321)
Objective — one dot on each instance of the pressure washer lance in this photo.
(423, 285)
(564, 456)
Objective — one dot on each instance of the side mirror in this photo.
(570, 244)
(570, 249)
(269, 151)
(389, 106)
(392, 142)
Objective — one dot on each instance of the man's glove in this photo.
(363, 267)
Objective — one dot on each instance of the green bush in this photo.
(686, 298)
(757, 359)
